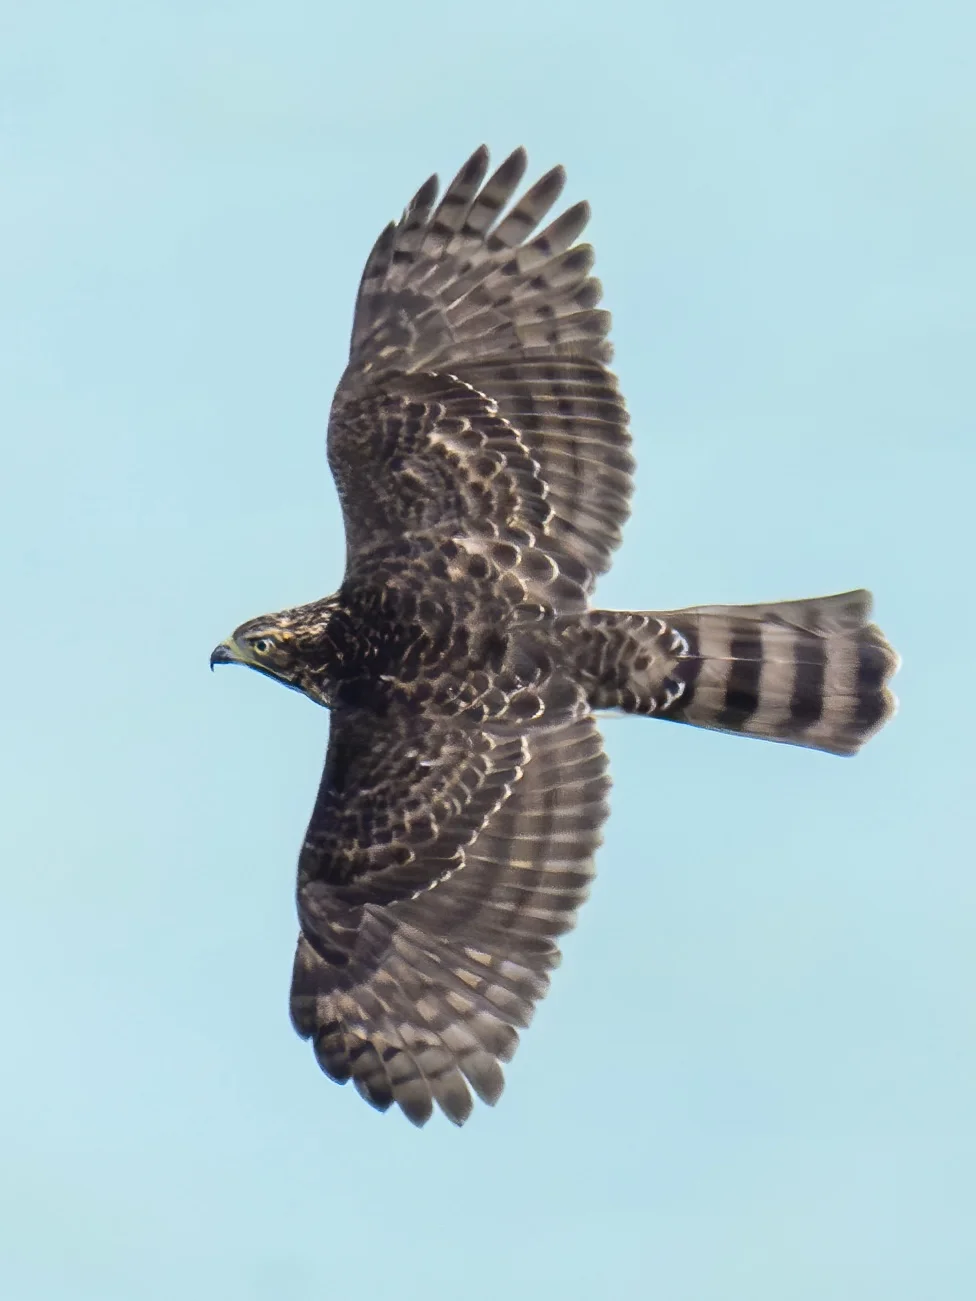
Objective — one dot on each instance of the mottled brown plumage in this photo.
(482, 456)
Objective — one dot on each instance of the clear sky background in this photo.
(754, 1076)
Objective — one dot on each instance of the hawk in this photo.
(481, 452)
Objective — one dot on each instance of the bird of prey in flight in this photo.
(480, 447)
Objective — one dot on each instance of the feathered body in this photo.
(482, 456)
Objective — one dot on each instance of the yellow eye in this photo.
(263, 645)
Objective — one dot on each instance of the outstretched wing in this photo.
(417, 995)
(477, 394)
(399, 800)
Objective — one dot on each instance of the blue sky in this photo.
(754, 1075)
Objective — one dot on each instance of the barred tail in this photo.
(811, 673)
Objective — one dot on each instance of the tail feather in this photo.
(812, 673)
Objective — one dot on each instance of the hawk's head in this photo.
(291, 646)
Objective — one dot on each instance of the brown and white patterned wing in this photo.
(418, 1000)
(400, 798)
(428, 454)
(573, 421)
(462, 291)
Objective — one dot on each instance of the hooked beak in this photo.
(223, 654)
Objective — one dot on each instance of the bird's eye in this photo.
(263, 645)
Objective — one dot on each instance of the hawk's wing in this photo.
(412, 980)
(477, 395)
(400, 798)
